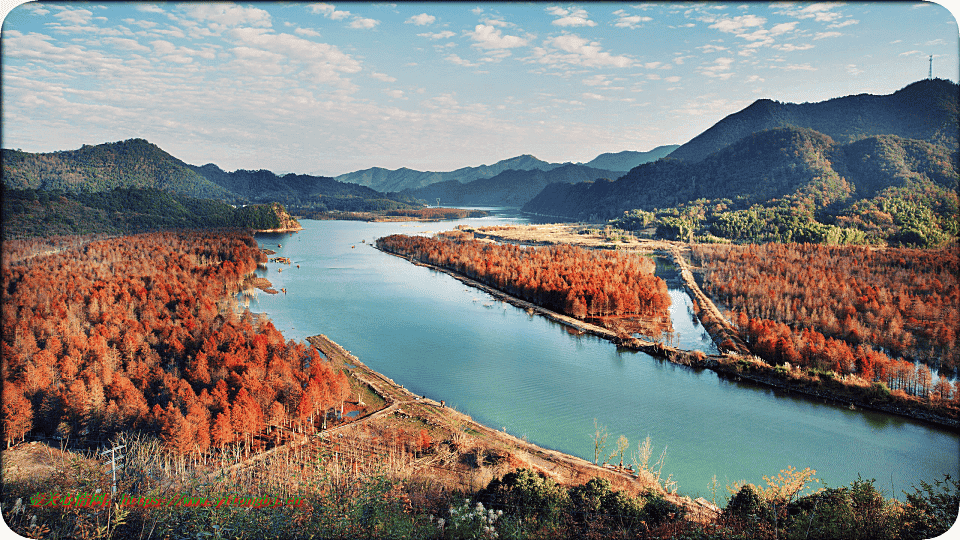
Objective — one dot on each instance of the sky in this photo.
(330, 88)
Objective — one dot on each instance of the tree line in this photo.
(571, 280)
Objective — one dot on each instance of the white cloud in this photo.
(230, 15)
(820, 12)
(852, 69)
(737, 25)
(783, 28)
(710, 48)
(847, 22)
(421, 19)
(789, 47)
(460, 61)
(630, 21)
(824, 35)
(36, 9)
(396, 94)
(438, 35)
(329, 11)
(363, 23)
(320, 63)
(126, 44)
(719, 69)
(383, 77)
(306, 32)
(150, 8)
(74, 16)
(795, 67)
(597, 80)
(488, 37)
(578, 51)
(570, 17)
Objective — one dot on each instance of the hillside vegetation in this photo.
(136, 163)
(925, 110)
(29, 213)
(132, 163)
(880, 181)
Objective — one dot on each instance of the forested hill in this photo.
(137, 163)
(299, 190)
(804, 177)
(925, 110)
(31, 213)
(628, 159)
(134, 163)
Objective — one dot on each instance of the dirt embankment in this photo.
(479, 447)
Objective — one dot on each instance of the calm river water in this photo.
(523, 373)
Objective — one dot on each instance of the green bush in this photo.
(526, 494)
(747, 505)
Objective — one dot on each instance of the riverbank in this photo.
(480, 453)
(735, 360)
(429, 214)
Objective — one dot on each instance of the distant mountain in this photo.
(628, 159)
(760, 168)
(291, 189)
(925, 110)
(403, 179)
(509, 188)
(136, 163)
(132, 163)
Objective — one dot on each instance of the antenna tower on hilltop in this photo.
(930, 73)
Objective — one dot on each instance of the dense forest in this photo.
(142, 333)
(36, 212)
(850, 310)
(131, 163)
(578, 282)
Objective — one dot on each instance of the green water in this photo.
(513, 371)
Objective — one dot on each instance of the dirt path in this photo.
(562, 467)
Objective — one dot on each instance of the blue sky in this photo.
(329, 88)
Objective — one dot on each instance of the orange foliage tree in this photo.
(142, 332)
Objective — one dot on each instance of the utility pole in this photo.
(116, 462)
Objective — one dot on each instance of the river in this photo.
(522, 373)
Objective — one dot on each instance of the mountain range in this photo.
(860, 162)
(925, 110)
(408, 180)
(509, 188)
(137, 163)
(830, 154)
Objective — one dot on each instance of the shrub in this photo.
(931, 509)
(746, 505)
(526, 494)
